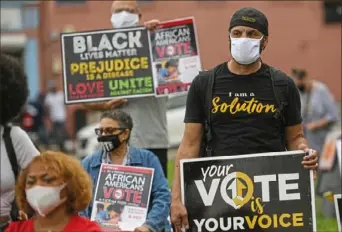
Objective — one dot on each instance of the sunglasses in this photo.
(108, 130)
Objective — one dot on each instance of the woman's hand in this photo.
(22, 216)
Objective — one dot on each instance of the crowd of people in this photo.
(55, 192)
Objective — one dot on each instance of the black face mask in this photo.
(110, 142)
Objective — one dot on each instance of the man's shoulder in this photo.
(279, 74)
(202, 78)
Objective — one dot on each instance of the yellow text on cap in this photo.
(249, 19)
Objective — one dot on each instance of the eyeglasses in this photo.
(107, 130)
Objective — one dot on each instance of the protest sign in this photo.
(338, 153)
(329, 151)
(106, 64)
(258, 192)
(122, 197)
(338, 207)
(176, 59)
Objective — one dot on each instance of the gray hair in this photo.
(123, 118)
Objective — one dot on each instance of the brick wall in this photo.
(298, 35)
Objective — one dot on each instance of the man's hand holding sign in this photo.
(102, 106)
(243, 114)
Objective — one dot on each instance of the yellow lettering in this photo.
(84, 68)
(259, 108)
(108, 66)
(234, 102)
(281, 220)
(251, 224)
(135, 63)
(249, 106)
(268, 223)
(92, 67)
(215, 106)
(117, 65)
(259, 208)
(144, 62)
(270, 108)
(74, 68)
(275, 220)
(298, 219)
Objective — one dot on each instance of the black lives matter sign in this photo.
(259, 192)
(107, 64)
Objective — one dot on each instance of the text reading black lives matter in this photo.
(107, 64)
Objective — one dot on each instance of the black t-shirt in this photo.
(243, 108)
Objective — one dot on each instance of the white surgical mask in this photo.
(124, 19)
(44, 199)
(245, 50)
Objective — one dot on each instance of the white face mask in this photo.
(44, 199)
(124, 19)
(245, 50)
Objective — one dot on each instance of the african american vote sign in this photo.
(106, 64)
(175, 52)
(258, 192)
(122, 197)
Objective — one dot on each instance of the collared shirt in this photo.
(106, 158)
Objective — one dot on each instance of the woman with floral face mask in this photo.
(54, 187)
(113, 134)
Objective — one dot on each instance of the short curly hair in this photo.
(79, 184)
(124, 119)
(13, 88)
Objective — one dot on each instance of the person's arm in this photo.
(189, 148)
(23, 147)
(294, 134)
(103, 106)
(330, 110)
(160, 198)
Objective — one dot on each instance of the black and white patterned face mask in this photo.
(109, 142)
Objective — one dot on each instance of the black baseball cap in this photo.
(250, 17)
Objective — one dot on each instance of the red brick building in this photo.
(299, 36)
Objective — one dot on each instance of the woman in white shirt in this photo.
(13, 96)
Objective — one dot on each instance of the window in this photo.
(31, 18)
(333, 11)
(11, 19)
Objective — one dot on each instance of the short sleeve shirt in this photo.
(243, 108)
